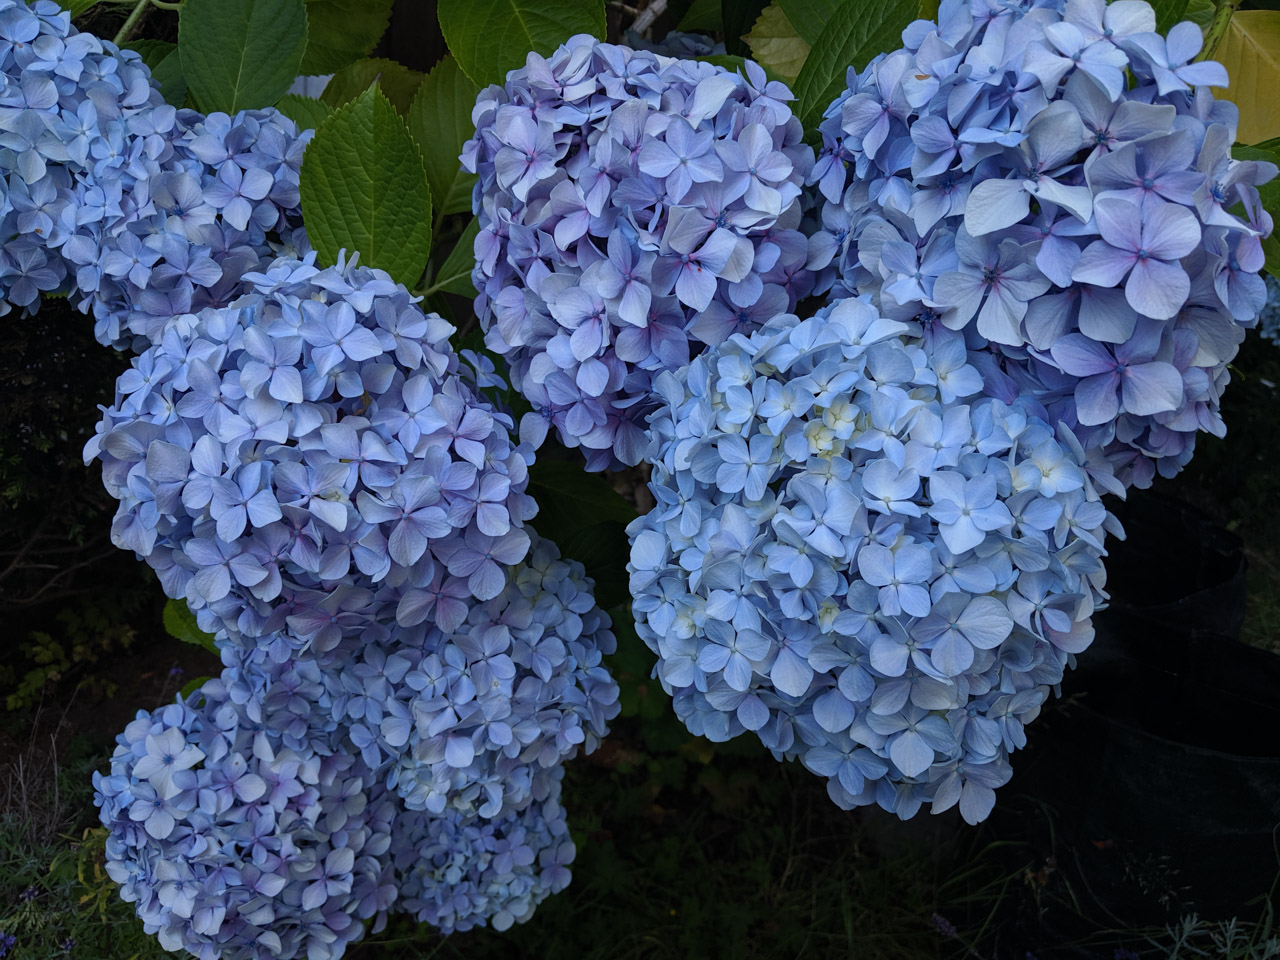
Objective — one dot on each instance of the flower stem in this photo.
(131, 21)
(1217, 31)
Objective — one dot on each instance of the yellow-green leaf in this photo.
(1251, 53)
(776, 44)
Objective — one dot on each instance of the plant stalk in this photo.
(1217, 31)
(131, 21)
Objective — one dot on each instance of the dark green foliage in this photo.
(66, 600)
(1237, 480)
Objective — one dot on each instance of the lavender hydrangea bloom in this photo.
(1000, 175)
(461, 709)
(860, 566)
(633, 209)
(226, 795)
(252, 846)
(134, 209)
(289, 466)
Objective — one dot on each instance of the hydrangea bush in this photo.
(878, 537)
(633, 209)
(1058, 184)
(861, 559)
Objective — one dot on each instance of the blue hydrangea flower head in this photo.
(283, 461)
(633, 209)
(1055, 181)
(457, 872)
(235, 844)
(860, 558)
(458, 703)
(134, 209)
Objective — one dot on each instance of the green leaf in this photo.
(1251, 53)
(738, 17)
(398, 82)
(238, 54)
(77, 7)
(340, 32)
(1271, 247)
(703, 16)
(583, 496)
(490, 37)
(307, 112)
(1199, 12)
(1168, 12)
(165, 63)
(454, 275)
(363, 189)
(858, 31)
(587, 519)
(809, 17)
(440, 120)
(180, 623)
(193, 686)
(775, 44)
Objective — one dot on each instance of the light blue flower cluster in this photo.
(633, 209)
(860, 559)
(312, 469)
(1055, 180)
(457, 872)
(238, 841)
(134, 209)
(468, 714)
(461, 710)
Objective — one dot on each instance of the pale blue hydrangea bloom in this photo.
(457, 872)
(633, 209)
(1034, 173)
(861, 559)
